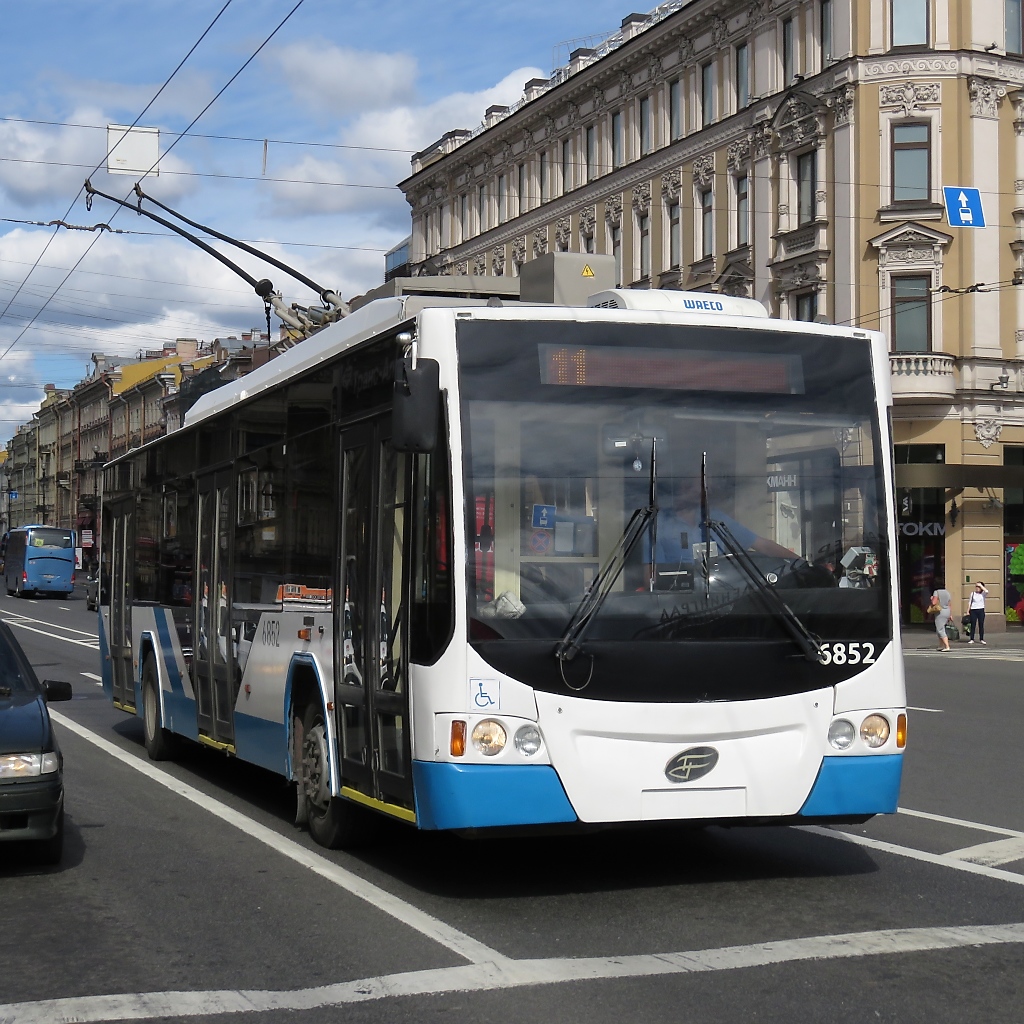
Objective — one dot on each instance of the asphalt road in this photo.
(186, 893)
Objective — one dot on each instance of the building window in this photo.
(675, 236)
(502, 198)
(911, 315)
(545, 177)
(911, 157)
(566, 165)
(806, 184)
(909, 21)
(807, 306)
(591, 167)
(742, 210)
(586, 240)
(825, 12)
(481, 208)
(1014, 32)
(707, 224)
(522, 197)
(788, 61)
(616, 247)
(462, 229)
(707, 94)
(675, 109)
(742, 76)
(645, 126)
(644, 230)
(617, 139)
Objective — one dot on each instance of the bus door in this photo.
(121, 586)
(371, 689)
(214, 657)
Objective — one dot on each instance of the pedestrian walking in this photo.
(976, 610)
(939, 607)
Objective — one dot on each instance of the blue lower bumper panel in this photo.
(855, 785)
(487, 796)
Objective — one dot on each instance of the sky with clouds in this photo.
(344, 93)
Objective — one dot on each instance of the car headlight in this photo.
(527, 740)
(489, 737)
(874, 730)
(841, 734)
(26, 766)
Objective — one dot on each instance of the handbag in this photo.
(934, 608)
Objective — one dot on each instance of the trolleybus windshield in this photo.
(560, 421)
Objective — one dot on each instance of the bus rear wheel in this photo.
(333, 822)
(159, 742)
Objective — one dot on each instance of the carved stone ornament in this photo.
(625, 84)
(841, 102)
(588, 221)
(549, 127)
(498, 260)
(704, 170)
(719, 32)
(985, 96)
(987, 432)
(671, 183)
(654, 69)
(761, 140)
(462, 268)
(909, 96)
(642, 197)
(480, 264)
(757, 12)
(445, 264)
(563, 229)
(573, 112)
(540, 241)
(685, 50)
(798, 124)
(597, 100)
(519, 251)
(613, 210)
(737, 156)
(796, 277)
(506, 152)
(1018, 337)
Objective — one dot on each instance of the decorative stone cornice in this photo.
(902, 66)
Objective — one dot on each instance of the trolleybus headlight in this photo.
(874, 730)
(489, 737)
(527, 740)
(841, 734)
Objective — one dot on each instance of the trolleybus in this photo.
(480, 567)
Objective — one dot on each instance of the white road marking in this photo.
(451, 938)
(995, 829)
(987, 655)
(17, 616)
(93, 645)
(98, 680)
(63, 607)
(505, 974)
(934, 711)
(944, 860)
(1000, 851)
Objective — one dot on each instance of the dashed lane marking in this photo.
(1000, 851)
(451, 938)
(98, 680)
(987, 655)
(505, 974)
(963, 822)
(22, 622)
(934, 711)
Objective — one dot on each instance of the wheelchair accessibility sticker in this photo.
(484, 695)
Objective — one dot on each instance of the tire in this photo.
(50, 851)
(10, 589)
(159, 742)
(333, 822)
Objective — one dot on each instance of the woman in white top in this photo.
(977, 612)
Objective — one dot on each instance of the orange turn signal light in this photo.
(901, 731)
(458, 746)
(306, 634)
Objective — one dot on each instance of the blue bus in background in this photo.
(39, 560)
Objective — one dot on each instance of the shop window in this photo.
(1013, 540)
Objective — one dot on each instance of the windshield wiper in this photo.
(804, 638)
(586, 611)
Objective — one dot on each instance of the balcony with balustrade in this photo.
(922, 377)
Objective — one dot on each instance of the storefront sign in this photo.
(922, 529)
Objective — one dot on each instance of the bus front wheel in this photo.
(333, 822)
(159, 742)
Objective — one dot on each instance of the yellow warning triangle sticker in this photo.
(587, 272)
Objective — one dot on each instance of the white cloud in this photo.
(339, 81)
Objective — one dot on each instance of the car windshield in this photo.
(562, 422)
(13, 678)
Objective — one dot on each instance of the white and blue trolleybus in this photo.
(481, 567)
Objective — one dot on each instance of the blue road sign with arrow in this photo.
(963, 207)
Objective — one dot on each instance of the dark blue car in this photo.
(31, 764)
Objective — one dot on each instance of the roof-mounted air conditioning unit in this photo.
(664, 301)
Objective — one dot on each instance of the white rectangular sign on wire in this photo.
(132, 150)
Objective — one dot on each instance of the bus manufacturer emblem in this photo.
(691, 764)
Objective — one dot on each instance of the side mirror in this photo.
(55, 689)
(417, 396)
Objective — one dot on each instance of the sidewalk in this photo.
(924, 639)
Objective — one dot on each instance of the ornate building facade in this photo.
(796, 151)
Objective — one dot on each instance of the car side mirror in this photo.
(55, 689)
(417, 396)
